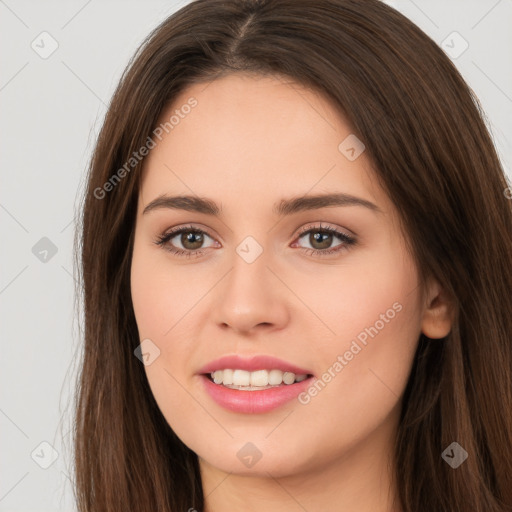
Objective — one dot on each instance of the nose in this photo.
(251, 298)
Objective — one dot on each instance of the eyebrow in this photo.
(284, 207)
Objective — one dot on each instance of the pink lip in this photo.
(251, 402)
(252, 364)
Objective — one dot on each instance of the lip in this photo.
(253, 402)
(251, 364)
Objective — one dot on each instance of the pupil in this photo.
(323, 238)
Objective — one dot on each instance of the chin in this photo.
(257, 458)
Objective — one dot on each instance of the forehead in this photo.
(258, 134)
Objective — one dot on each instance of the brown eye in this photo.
(191, 240)
(320, 239)
(184, 241)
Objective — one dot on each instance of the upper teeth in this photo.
(257, 378)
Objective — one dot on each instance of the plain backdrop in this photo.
(60, 64)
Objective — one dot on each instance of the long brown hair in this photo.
(425, 133)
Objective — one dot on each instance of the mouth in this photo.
(255, 385)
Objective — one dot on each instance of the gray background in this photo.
(51, 112)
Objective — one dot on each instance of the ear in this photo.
(437, 318)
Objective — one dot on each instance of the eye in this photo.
(321, 239)
(184, 241)
(189, 241)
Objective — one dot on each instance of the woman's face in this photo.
(257, 159)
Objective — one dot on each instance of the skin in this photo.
(250, 142)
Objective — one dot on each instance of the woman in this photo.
(296, 262)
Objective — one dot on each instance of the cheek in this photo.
(162, 303)
(162, 294)
(362, 381)
(373, 295)
(364, 367)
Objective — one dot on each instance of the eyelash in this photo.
(347, 241)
